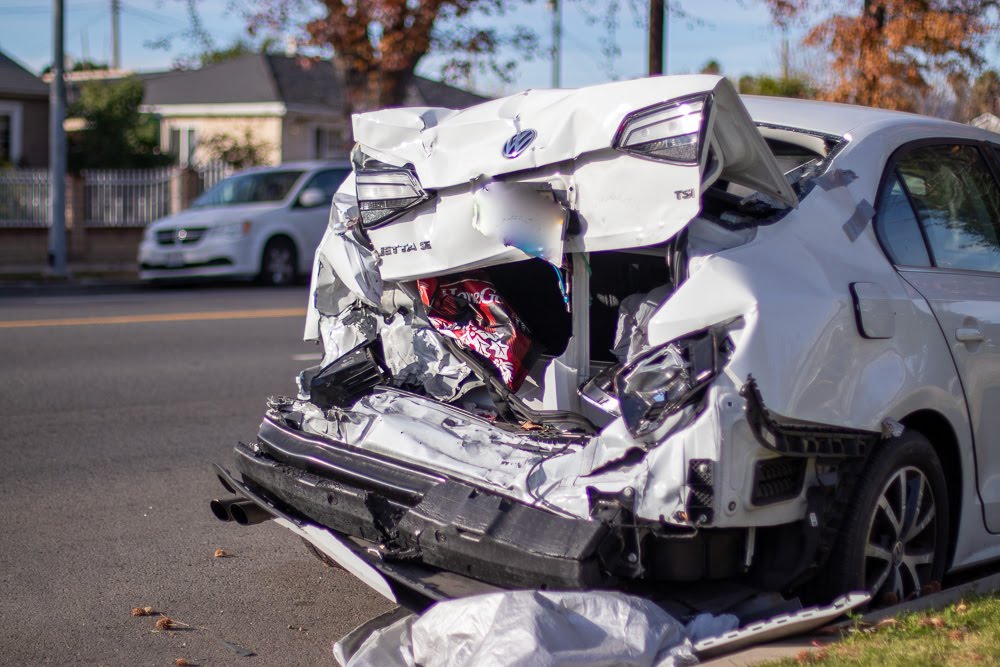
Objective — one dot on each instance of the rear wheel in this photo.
(894, 541)
(278, 263)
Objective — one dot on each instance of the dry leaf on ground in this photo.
(164, 623)
(142, 611)
(221, 553)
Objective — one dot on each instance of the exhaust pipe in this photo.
(220, 508)
(248, 513)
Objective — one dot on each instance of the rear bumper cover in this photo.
(420, 517)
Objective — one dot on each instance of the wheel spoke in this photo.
(880, 581)
(897, 583)
(876, 551)
(912, 500)
(890, 515)
(911, 562)
(920, 526)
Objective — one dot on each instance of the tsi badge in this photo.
(518, 143)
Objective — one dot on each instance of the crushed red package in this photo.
(470, 310)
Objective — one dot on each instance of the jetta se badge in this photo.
(518, 143)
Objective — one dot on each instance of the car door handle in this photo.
(969, 335)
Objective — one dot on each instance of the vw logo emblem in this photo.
(182, 234)
(518, 143)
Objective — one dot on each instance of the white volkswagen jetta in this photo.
(647, 333)
(260, 223)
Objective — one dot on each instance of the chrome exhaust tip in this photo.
(248, 513)
(220, 508)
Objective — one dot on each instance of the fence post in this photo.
(176, 190)
(75, 214)
(190, 181)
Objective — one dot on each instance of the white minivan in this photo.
(262, 223)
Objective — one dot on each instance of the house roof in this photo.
(16, 80)
(260, 78)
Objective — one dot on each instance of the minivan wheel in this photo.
(278, 262)
(894, 540)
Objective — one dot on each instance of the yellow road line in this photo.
(158, 317)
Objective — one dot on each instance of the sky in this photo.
(737, 33)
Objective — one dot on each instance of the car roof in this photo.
(835, 118)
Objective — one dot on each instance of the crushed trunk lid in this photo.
(544, 172)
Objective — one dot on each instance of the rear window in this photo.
(268, 186)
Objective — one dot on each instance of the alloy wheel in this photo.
(278, 264)
(902, 536)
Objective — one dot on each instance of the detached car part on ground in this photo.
(643, 334)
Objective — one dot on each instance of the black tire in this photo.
(894, 539)
(278, 263)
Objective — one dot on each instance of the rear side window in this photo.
(958, 203)
(899, 228)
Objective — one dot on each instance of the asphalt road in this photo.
(113, 405)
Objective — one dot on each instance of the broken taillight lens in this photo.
(671, 132)
(663, 380)
(385, 194)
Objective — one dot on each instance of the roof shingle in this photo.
(278, 78)
(17, 80)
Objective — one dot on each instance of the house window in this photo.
(182, 142)
(326, 143)
(5, 138)
(10, 132)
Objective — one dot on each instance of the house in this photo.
(24, 116)
(293, 107)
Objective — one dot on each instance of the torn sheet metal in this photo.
(448, 148)
(634, 313)
(540, 628)
(428, 433)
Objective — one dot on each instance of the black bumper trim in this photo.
(415, 586)
(430, 520)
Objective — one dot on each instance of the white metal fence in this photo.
(210, 173)
(105, 197)
(125, 197)
(24, 198)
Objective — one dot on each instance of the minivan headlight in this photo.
(232, 231)
(670, 132)
(665, 379)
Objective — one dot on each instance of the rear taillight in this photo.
(670, 132)
(384, 194)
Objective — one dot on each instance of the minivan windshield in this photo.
(268, 186)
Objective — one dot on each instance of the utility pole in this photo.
(556, 7)
(57, 146)
(116, 52)
(656, 35)
(784, 52)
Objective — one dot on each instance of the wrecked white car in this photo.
(647, 333)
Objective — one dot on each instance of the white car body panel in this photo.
(607, 190)
(803, 347)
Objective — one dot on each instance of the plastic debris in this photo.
(241, 651)
(527, 627)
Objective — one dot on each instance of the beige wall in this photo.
(300, 132)
(33, 113)
(35, 137)
(263, 128)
